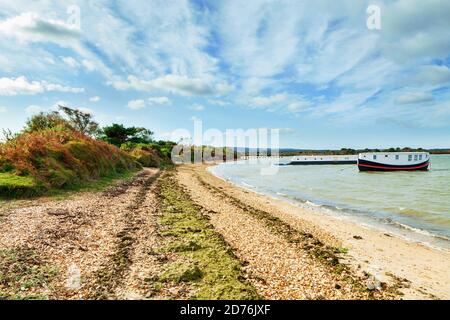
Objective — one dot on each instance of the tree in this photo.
(80, 121)
(8, 135)
(45, 121)
(117, 134)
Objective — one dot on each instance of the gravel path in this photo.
(82, 236)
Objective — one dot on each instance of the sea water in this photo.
(415, 205)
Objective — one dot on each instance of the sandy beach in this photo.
(424, 270)
(184, 233)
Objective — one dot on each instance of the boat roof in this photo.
(393, 152)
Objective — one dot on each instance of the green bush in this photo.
(56, 159)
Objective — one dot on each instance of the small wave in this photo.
(312, 203)
(248, 185)
(416, 230)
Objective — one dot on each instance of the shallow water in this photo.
(415, 204)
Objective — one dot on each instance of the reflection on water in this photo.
(414, 200)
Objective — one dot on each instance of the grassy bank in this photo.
(39, 162)
(200, 259)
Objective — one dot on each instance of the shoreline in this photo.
(382, 254)
(398, 229)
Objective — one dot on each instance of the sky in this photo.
(312, 69)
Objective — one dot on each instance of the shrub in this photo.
(117, 134)
(59, 158)
(46, 121)
(147, 154)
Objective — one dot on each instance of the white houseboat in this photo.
(393, 161)
(322, 160)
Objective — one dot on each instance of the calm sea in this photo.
(415, 205)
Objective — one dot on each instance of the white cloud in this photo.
(267, 50)
(61, 88)
(3, 109)
(30, 27)
(21, 85)
(416, 29)
(260, 37)
(429, 75)
(174, 83)
(49, 60)
(414, 97)
(219, 102)
(60, 103)
(270, 100)
(89, 65)
(197, 107)
(289, 102)
(85, 110)
(34, 109)
(71, 62)
(298, 106)
(136, 104)
(286, 131)
(346, 102)
(337, 52)
(94, 99)
(159, 100)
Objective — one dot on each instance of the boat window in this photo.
(386, 156)
(397, 157)
(374, 157)
(420, 157)
(410, 157)
(415, 157)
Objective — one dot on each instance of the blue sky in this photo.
(310, 68)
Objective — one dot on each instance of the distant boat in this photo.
(323, 160)
(393, 161)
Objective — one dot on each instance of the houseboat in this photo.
(393, 161)
(323, 160)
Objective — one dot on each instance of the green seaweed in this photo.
(208, 263)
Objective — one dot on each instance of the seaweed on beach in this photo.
(200, 259)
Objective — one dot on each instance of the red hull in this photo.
(365, 165)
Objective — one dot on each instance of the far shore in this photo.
(384, 255)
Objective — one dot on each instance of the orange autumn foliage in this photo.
(57, 158)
